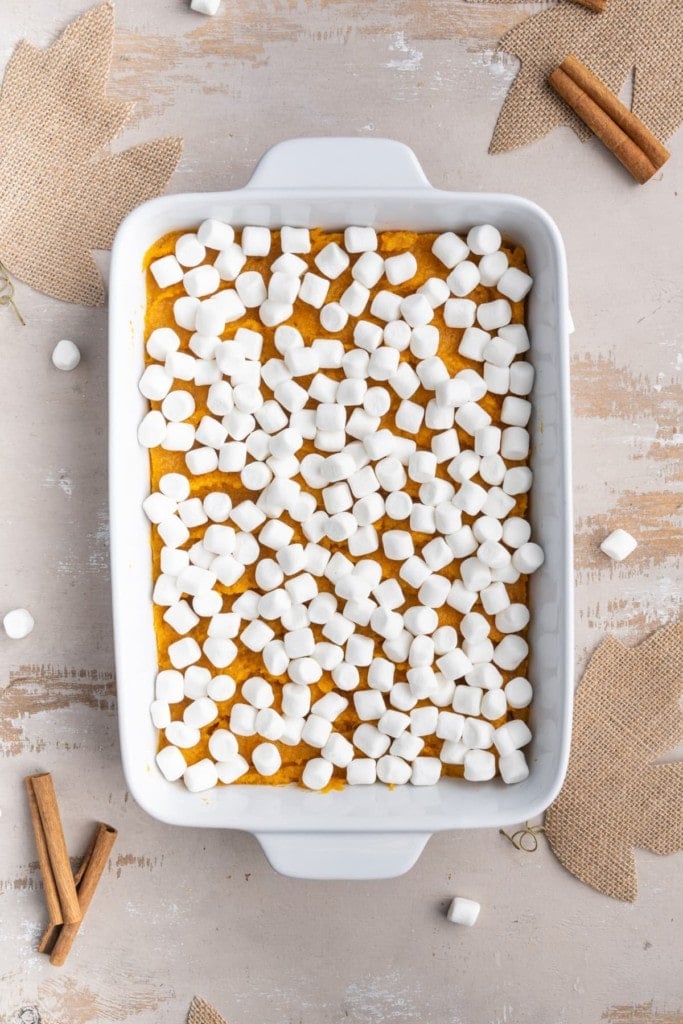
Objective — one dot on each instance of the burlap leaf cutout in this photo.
(643, 34)
(202, 1012)
(627, 715)
(63, 193)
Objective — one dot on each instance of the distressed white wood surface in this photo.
(185, 912)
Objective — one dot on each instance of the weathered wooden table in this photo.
(185, 912)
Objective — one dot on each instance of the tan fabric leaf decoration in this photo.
(202, 1012)
(643, 34)
(627, 715)
(63, 193)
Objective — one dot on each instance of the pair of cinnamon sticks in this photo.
(624, 134)
(67, 895)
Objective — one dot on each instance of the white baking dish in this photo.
(361, 832)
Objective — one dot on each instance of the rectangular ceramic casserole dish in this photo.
(373, 831)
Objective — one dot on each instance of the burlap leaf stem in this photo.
(647, 36)
(202, 1012)
(63, 193)
(627, 715)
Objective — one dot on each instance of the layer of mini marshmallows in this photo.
(259, 418)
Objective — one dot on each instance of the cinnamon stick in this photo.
(49, 887)
(49, 936)
(60, 865)
(104, 839)
(624, 134)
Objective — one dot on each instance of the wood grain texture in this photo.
(187, 912)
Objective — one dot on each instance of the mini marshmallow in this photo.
(401, 268)
(231, 770)
(528, 558)
(450, 249)
(511, 736)
(317, 773)
(296, 240)
(220, 653)
(423, 721)
(189, 251)
(155, 383)
(453, 752)
(200, 461)
(518, 693)
(461, 910)
(435, 291)
(243, 720)
(422, 518)
(162, 341)
(334, 317)
(370, 741)
(397, 545)
(230, 261)
(431, 372)
(283, 288)
(513, 767)
(158, 507)
(511, 652)
(338, 751)
(368, 269)
(393, 770)
(362, 771)
(329, 353)
(330, 706)
(316, 731)
(405, 381)
(492, 469)
(360, 239)
(463, 279)
(182, 735)
(354, 300)
(514, 444)
(270, 725)
(437, 554)
(200, 712)
(173, 532)
(386, 306)
(407, 746)
(266, 759)
(454, 665)
(459, 313)
(185, 311)
(416, 311)
(492, 266)
(177, 406)
(181, 618)
(171, 763)
(521, 378)
(184, 652)
(480, 765)
(397, 334)
(493, 704)
(514, 284)
(383, 363)
(484, 239)
(18, 623)
(332, 260)
(203, 774)
(497, 503)
(618, 545)
(518, 480)
(66, 355)
(409, 416)
(399, 505)
(313, 290)
(376, 400)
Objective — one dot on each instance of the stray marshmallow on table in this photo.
(18, 623)
(205, 6)
(463, 911)
(365, 439)
(66, 355)
(619, 545)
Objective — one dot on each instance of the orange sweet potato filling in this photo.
(159, 313)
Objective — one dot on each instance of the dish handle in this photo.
(339, 163)
(342, 855)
